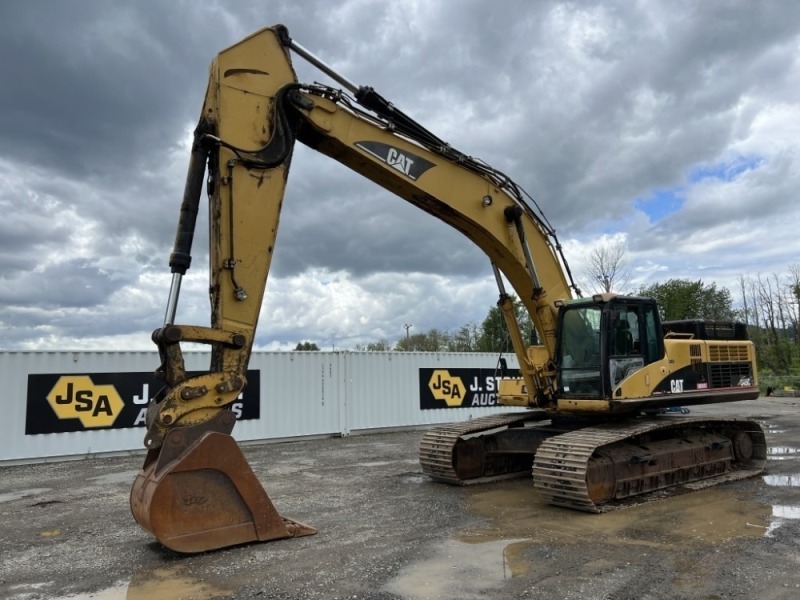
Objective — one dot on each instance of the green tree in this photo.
(465, 339)
(494, 333)
(382, 345)
(379, 346)
(684, 299)
(307, 346)
(432, 340)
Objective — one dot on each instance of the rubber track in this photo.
(561, 462)
(438, 443)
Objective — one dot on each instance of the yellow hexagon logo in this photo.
(77, 397)
(447, 388)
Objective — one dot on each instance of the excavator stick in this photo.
(203, 495)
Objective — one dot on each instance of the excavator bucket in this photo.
(206, 497)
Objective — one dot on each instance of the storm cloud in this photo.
(672, 126)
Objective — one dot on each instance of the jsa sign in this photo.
(459, 388)
(79, 402)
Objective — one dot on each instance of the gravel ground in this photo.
(387, 532)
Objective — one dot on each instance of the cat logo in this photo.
(410, 165)
(399, 161)
(77, 397)
(447, 388)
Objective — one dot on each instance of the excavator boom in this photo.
(196, 491)
(253, 113)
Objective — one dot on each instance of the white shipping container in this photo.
(300, 394)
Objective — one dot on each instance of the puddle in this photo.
(377, 463)
(10, 496)
(50, 533)
(782, 452)
(160, 583)
(782, 480)
(781, 514)
(459, 569)
(786, 512)
(698, 519)
(387, 463)
(770, 428)
(118, 592)
(478, 562)
(414, 477)
(112, 478)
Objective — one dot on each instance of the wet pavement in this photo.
(387, 532)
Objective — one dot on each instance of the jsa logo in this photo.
(447, 388)
(77, 397)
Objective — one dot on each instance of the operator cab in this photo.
(602, 340)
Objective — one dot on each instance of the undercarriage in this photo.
(596, 467)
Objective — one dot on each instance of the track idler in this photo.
(197, 493)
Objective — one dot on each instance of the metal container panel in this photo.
(14, 370)
(301, 394)
(384, 388)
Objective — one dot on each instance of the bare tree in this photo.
(775, 349)
(608, 268)
(743, 284)
(771, 309)
(794, 300)
(382, 345)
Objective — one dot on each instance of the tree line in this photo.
(771, 309)
(490, 335)
(768, 305)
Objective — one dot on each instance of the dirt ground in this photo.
(387, 532)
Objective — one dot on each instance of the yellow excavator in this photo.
(600, 368)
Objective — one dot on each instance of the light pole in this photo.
(408, 339)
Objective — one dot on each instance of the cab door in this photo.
(634, 337)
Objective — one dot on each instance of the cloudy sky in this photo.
(670, 126)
